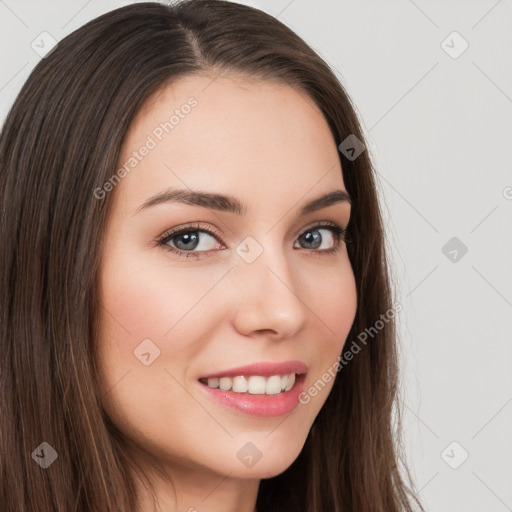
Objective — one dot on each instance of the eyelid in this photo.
(320, 223)
(193, 226)
(208, 228)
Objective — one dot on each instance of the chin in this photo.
(266, 456)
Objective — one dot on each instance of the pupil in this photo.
(316, 239)
(188, 238)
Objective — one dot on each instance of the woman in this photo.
(193, 258)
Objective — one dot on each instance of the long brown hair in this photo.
(60, 142)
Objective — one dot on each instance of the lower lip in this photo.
(259, 405)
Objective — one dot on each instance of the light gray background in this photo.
(440, 134)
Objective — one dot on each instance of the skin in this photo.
(270, 146)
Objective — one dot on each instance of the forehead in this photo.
(255, 139)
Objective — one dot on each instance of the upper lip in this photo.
(264, 369)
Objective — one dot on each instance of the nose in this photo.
(267, 297)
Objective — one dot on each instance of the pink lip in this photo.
(260, 405)
(263, 369)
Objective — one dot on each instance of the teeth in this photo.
(240, 385)
(225, 383)
(254, 384)
(273, 385)
(291, 382)
(213, 383)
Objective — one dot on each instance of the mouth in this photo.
(254, 384)
(260, 389)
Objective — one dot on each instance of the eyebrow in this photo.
(227, 203)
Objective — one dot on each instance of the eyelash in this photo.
(339, 232)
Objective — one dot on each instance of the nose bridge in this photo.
(267, 297)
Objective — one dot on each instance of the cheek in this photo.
(333, 306)
(154, 301)
(150, 309)
(169, 306)
(340, 302)
(332, 300)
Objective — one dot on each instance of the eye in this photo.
(190, 238)
(195, 241)
(313, 238)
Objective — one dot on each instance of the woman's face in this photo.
(267, 289)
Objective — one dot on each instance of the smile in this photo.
(261, 389)
(254, 384)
